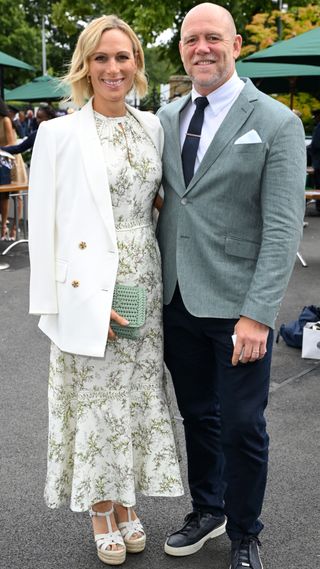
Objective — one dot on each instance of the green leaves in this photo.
(20, 28)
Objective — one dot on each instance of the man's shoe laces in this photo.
(192, 519)
(244, 551)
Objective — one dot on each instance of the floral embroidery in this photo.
(110, 428)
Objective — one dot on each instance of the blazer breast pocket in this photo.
(249, 148)
(245, 163)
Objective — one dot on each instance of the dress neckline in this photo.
(111, 119)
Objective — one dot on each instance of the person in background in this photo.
(18, 172)
(7, 136)
(228, 232)
(13, 114)
(315, 153)
(315, 149)
(21, 124)
(93, 180)
(31, 121)
(44, 113)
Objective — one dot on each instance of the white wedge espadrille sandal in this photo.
(128, 529)
(104, 541)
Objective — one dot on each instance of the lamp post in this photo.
(44, 53)
(283, 8)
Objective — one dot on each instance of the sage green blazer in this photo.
(230, 238)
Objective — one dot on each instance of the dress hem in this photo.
(82, 510)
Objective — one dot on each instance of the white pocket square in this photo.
(251, 137)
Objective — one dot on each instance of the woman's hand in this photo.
(158, 202)
(115, 317)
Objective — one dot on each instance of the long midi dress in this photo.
(110, 428)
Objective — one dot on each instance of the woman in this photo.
(110, 432)
(7, 136)
(19, 173)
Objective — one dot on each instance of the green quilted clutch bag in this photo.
(130, 302)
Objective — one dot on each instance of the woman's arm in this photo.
(8, 129)
(23, 146)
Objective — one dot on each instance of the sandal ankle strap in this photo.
(101, 514)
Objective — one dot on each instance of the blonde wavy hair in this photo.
(77, 76)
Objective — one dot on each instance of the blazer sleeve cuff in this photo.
(261, 313)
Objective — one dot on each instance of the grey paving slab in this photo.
(33, 537)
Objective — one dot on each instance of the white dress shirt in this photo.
(220, 102)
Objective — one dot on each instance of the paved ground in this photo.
(33, 537)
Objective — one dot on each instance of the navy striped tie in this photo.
(191, 143)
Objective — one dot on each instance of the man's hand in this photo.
(251, 343)
(118, 320)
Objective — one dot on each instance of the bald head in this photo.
(207, 9)
(209, 46)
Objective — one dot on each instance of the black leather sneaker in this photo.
(245, 554)
(198, 528)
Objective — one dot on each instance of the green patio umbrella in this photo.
(281, 77)
(303, 49)
(44, 88)
(9, 61)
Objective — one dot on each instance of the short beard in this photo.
(213, 83)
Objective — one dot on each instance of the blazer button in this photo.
(184, 201)
(75, 284)
(82, 245)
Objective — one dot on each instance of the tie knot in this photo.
(201, 103)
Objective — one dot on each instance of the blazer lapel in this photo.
(236, 117)
(173, 152)
(143, 119)
(94, 163)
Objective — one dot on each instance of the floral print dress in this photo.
(110, 429)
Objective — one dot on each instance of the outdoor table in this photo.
(16, 190)
(312, 194)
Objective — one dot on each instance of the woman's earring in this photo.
(89, 79)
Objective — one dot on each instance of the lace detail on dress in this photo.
(110, 429)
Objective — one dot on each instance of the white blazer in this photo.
(72, 238)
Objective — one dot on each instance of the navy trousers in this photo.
(222, 407)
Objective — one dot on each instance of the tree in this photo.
(158, 70)
(18, 39)
(148, 18)
(263, 29)
(20, 26)
(263, 32)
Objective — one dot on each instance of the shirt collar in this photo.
(222, 96)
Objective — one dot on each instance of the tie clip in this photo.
(191, 134)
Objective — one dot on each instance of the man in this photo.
(228, 232)
(31, 121)
(315, 152)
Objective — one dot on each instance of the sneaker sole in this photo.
(190, 549)
(260, 562)
(261, 566)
